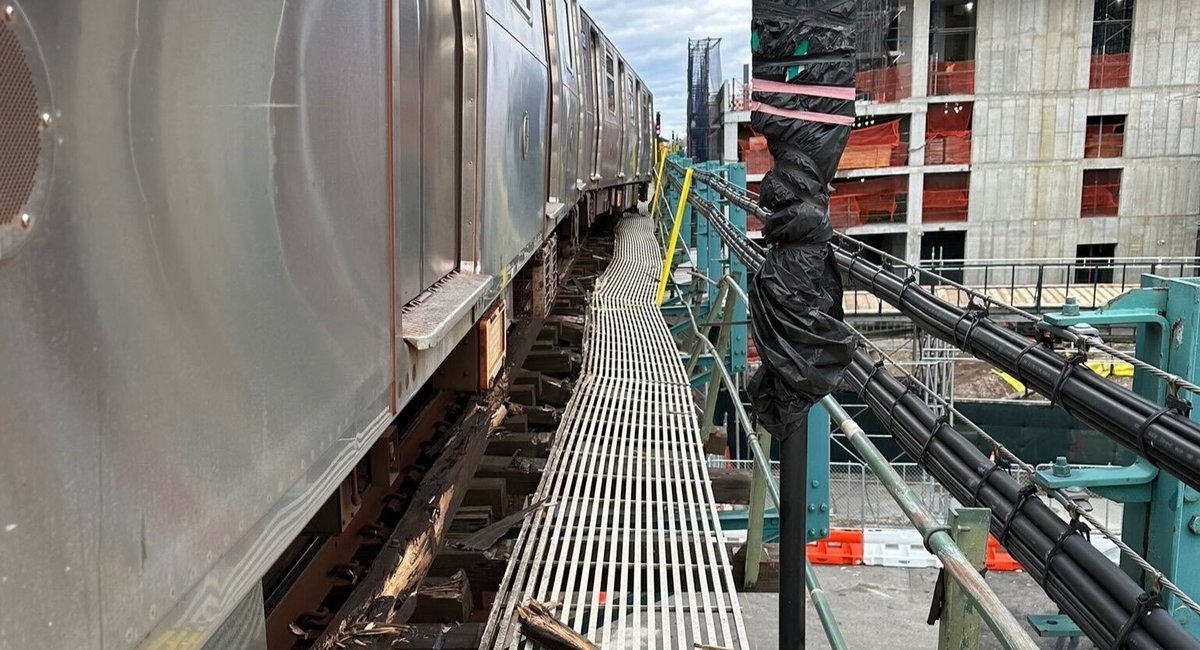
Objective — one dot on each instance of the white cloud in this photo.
(653, 37)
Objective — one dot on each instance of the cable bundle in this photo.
(1165, 437)
(1105, 602)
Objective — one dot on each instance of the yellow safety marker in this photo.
(666, 272)
(662, 162)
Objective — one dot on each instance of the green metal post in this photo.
(714, 383)
(960, 622)
(754, 523)
(705, 330)
(736, 174)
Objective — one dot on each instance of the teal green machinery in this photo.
(1161, 519)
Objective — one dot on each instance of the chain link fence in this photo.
(857, 499)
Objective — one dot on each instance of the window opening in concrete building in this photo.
(862, 201)
(1105, 137)
(1101, 193)
(944, 251)
(952, 47)
(1112, 39)
(883, 44)
(876, 141)
(1094, 263)
(892, 243)
(946, 197)
(948, 134)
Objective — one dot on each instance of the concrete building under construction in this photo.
(1017, 129)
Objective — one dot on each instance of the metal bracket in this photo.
(1054, 626)
(1126, 484)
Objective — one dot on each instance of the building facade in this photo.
(1017, 129)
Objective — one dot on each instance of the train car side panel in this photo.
(516, 102)
(198, 328)
(609, 108)
(440, 129)
(565, 113)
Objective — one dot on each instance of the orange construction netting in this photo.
(1100, 200)
(951, 77)
(885, 85)
(871, 147)
(1104, 141)
(948, 135)
(1109, 71)
(946, 197)
(867, 200)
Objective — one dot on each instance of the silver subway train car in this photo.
(236, 238)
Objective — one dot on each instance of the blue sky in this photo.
(653, 37)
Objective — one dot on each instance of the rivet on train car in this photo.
(26, 220)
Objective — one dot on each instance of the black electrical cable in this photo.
(1097, 595)
(1169, 440)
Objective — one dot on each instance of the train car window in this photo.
(612, 84)
(629, 96)
(526, 8)
(569, 12)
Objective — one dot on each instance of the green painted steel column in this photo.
(736, 174)
(960, 622)
(754, 523)
(714, 382)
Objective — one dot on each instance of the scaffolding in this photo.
(884, 72)
(704, 86)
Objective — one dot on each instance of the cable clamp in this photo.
(1141, 432)
(1075, 527)
(1021, 355)
(942, 421)
(895, 403)
(853, 260)
(1146, 602)
(1179, 405)
(1022, 496)
(871, 375)
(908, 283)
(987, 473)
(1068, 367)
(974, 312)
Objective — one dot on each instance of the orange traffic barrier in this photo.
(843, 546)
(998, 559)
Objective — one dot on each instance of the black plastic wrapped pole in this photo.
(804, 73)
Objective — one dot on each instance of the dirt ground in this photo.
(974, 379)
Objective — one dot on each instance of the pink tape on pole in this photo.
(825, 118)
(831, 92)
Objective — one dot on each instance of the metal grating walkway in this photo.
(632, 549)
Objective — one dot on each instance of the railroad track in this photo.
(451, 465)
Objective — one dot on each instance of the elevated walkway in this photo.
(631, 550)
